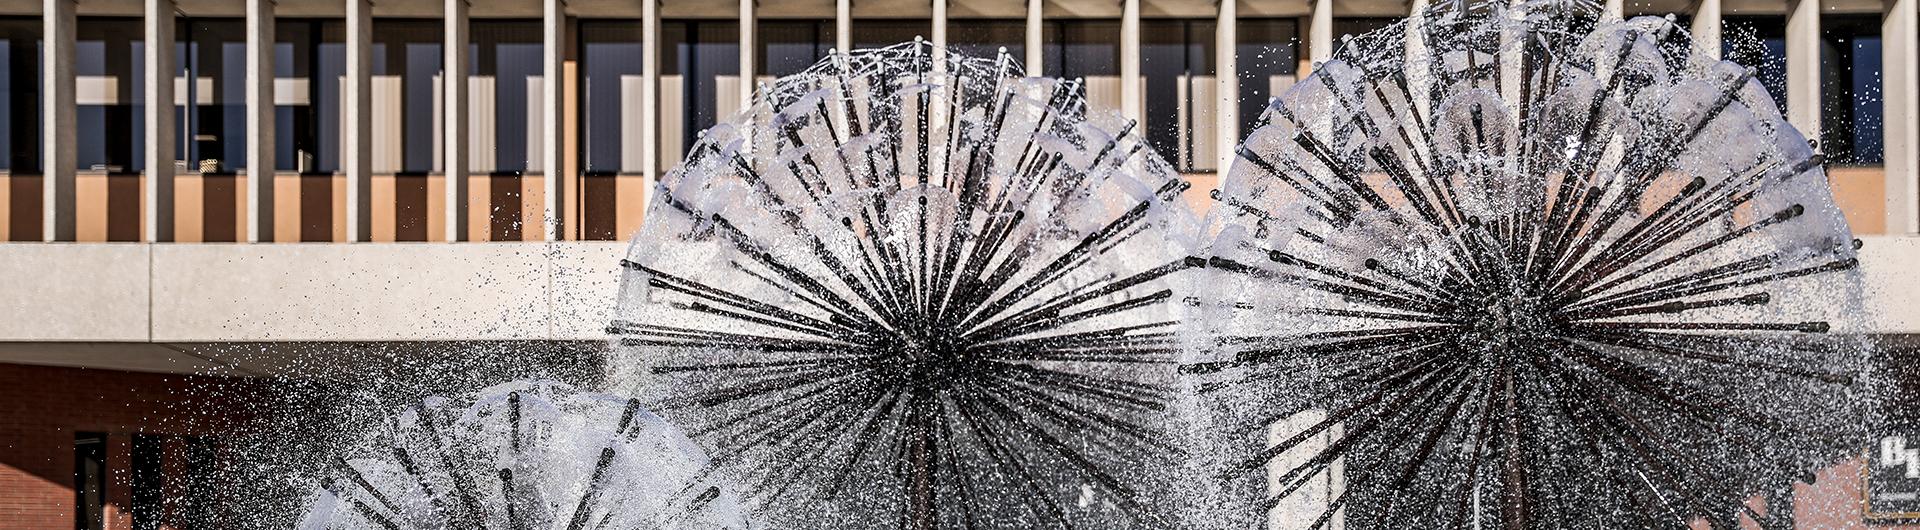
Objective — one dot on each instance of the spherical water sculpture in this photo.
(524, 455)
(1525, 269)
(911, 289)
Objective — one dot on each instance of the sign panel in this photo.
(1892, 479)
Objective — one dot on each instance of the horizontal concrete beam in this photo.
(307, 292)
(403, 292)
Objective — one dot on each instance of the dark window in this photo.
(109, 65)
(20, 94)
(1267, 59)
(296, 126)
(1174, 54)
(1082, 48)
(411, 50)
(330, 54)
(90, 480)
(983, 38)
(508, 51)
(787, 47)
(216, 57)
(1345, 28)
(149, 482)
(881, 33)
(611, 59)
(699, 52)
(1850, 106)
(1759, 42)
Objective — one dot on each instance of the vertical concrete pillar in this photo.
(747, 29)
(1614, 9)
(1706, 27)
(1226, 76)
(940, 35)
(455, 146)
(158, 93)
(650, 96)
(1899, 47)
(260, 125)
(358, 158)
(58, 157)
(1803, 66)
(1419, 70)
(1320, 33)
(1035, 31)
(843, 25)
(1130, 96)
(552, 139)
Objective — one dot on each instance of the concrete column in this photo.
(358, 158)
(1320, 34)
(1419, 68)
(455, 145)
(1803, 66)
(552, 99)
(1130, 100)
(650, 96)
(158, 93)
(260, 126)
(58, 157)
(747, 30)
(1614, 9)
(1036, 29)
(1706, 27)
(1226, 76)
(843, 25)
(940, 23)
(1899, 46)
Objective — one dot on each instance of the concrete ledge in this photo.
(399, 292)
(301, 292)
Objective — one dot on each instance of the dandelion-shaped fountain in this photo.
(1525, 268)
(911, 289)
(523, 455)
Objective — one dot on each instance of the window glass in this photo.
(1850, 107)
(108, 66)
(983, 38)
(1082, 48)
(1759, 42)
(787, 47)
(880, 33)
(506, 53)
(1176, 60)
(216, 55)
(611, 60)
(408, 52)
(20, 94)
(698, 53)
(1267, 60)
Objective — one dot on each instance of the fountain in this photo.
(1524, 268)
(913, 289)
(523, 455)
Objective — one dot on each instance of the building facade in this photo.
(162, 160)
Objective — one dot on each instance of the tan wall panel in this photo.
(437, 208)
(570, 140)
(286, 207)
(479, 209)
(1199, 196)
(6, 206)
(1860, 192)
(630, 205)
(340, 208)
(189, 200)
(91, 201)
(533, 200)
(383, 208)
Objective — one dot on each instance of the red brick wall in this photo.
(42, 407)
